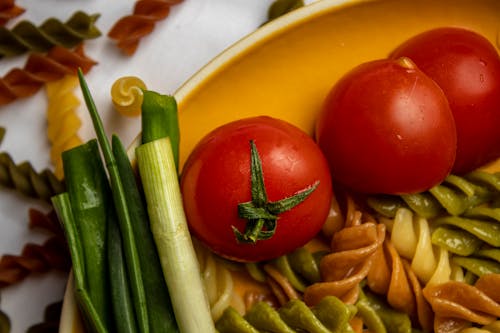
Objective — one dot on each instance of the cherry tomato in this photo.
(219, 177)
(467, 67)
(387, 128)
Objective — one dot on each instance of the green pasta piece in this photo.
(394, 321)
(306, 264)
(299, 316)
(386, 205)
(255, 272)
(283, 265)
(281, 7)
(454, 202)
(232, 322)
(491, 180)
(483, 212)
(26, 36)
(477, 266)
(424, 204)
(335, 314)
(264, 318)
(456, 240)
(492, 253)
(487, 231)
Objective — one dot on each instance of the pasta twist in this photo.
(9, 10)
(4, 322)
(63, 122)
(218, 282)
(455, 196)
(127, 96)
(52, 254)
(26, 36)
(457, 304)
(39, 69)
(130, 29)
(353, 249)
(329, 315)
(25, 179)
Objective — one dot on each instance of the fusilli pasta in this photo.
(9, 10)
(26, 36)
(130, 29)
(39, 69)
(63, 122)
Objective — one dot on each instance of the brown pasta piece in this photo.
(353, 249)
(280, 286)
(34, 258)
(457, 304)
(47, 221)
(130, 29)
(42, 68)
(9, 10)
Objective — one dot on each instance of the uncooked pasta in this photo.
(42, 68)
(9, 10)
(130, 29)
(63, 121)
(25, 36)
(127, 95)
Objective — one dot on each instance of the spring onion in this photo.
(173, 241)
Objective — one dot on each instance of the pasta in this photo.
(9, 10)
(329, 315)
(52, 254)
(127, 96)
(4, 322)
(51, 318)
(63, 122)
(218, 282)
(26, 36)
(457, 304)
(353, 249)
(39, 69)
(130, 29)
(281, 7)
(23, 178)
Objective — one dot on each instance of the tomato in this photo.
(467, 67)
(387, 128)
(217, 182)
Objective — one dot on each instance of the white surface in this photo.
(194, 32)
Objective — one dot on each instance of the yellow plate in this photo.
(285, 68)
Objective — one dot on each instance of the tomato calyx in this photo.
(261, 214)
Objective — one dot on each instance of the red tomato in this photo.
(467, 67)
(387, 128)
(217, 178)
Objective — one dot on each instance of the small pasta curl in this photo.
(127, 95)
(51, 319)
(457, 304)
(130, 29)
(352, 252)
(42, 68)
(411, 237)
(63, 122)
(218, 282)
(9, 10)
(27, 37)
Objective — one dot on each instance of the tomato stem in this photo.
(261, 214)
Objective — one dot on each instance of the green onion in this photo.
(160, 312)
(173, 241)
(129, 244)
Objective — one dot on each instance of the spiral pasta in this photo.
(9, 10)
(457, 304)
(130, 29)
(353, 249)
(63, 122)
(218, 283)
(329, 315)
(52, 254)
(26, 36)
(39, 69)
(127, 96)
(51, 318)
(23, 178)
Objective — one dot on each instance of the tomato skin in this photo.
(467, 67)
(216, 178)
(387, 128)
